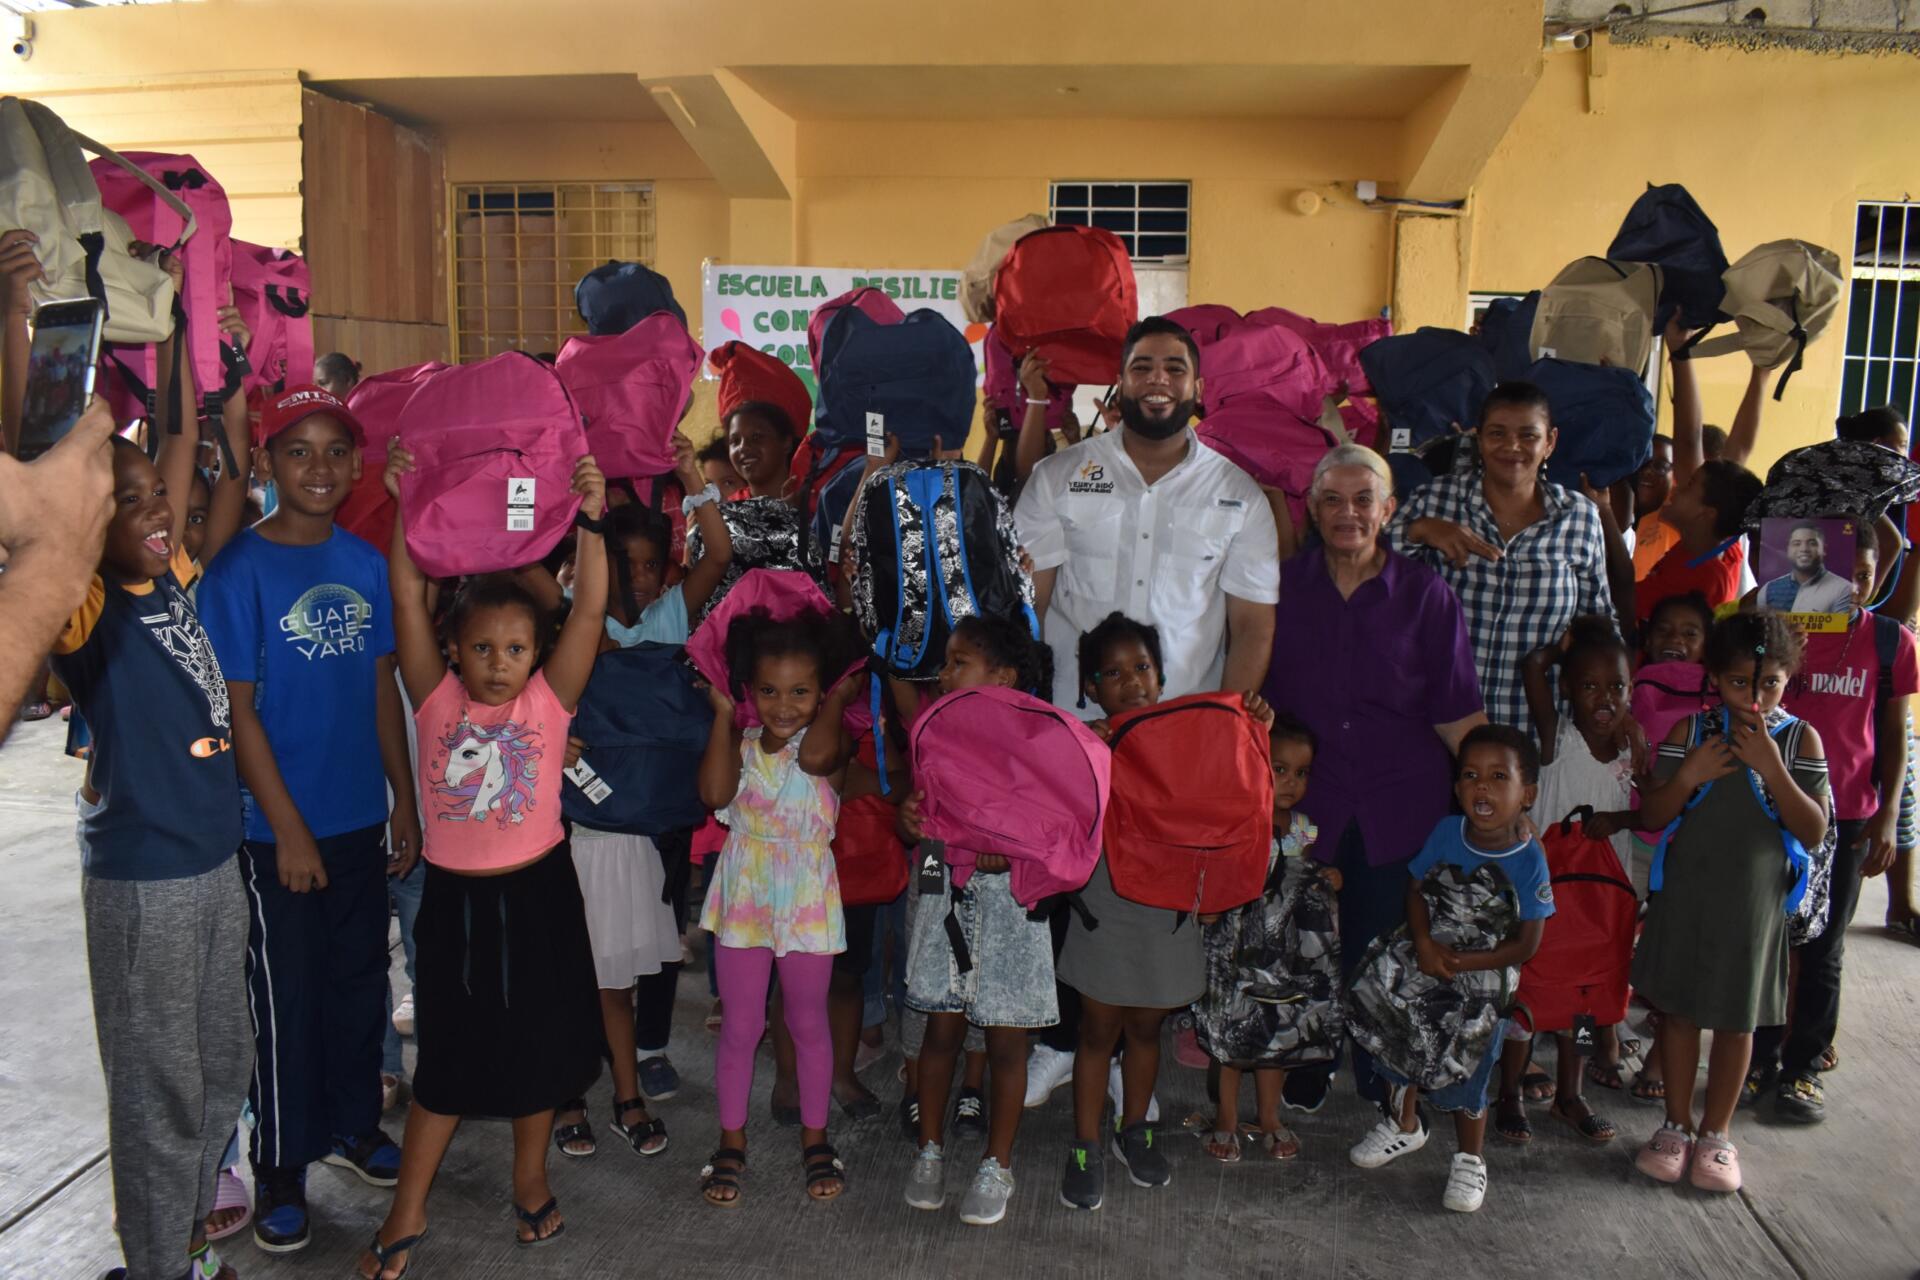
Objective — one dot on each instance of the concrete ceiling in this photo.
(501, 99)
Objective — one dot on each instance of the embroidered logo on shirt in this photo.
(327, 621)
(1091, 478)
(1233, 503)
(1545, 894)
(488, 771)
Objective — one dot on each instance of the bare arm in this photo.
(716, 542)
(1662, 802)
(404, 822)
(1043, 580)
(825, 750)
(1688, 418)
(19, 267)
(1890, 772)
(1515, 950)
(1454, 730)
(1249, 645)
(296, 854)
(571, 663)
(1536, 676)
(1619, 560)
(229, 504)
(1745, 431)
(1032, 444)
(416, 648)
(720, 764)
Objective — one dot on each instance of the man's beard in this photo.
(1135, 416)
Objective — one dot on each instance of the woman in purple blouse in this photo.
(1370, 650)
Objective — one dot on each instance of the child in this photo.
(506, 1022)
(1251, 1018)
(1713, 952)
(1496, 779)
(1586, 761)
(630, 926)
(159, 827)
(299, 614)
(1138, 966)
(774, 900)
(1007, 986)
(716, 466)
(1707, 510)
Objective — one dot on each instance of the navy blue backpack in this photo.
(645, 726)
(1428, 380)
(1604, 417)
(615, 297)
(1506, 331)
(918, 375)
(1666, 227)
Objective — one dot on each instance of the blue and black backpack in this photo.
(645, 726)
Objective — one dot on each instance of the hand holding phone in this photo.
(60, 371)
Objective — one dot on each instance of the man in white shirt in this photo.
(1149, 521)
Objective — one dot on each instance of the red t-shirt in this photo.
(1715, 575)
(1834, 692)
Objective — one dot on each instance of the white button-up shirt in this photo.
(1168, 554)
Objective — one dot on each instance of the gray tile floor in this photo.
(1842, 1200)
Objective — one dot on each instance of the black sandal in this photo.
(534, 1219)
(1595, 1128)
(718, 1177)
(638, 1136)
(577, 1132)
(1510, 1122)
(823, 1164)
(382, 1252)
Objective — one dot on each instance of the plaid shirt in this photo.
(1552, 571)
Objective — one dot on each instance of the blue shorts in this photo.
(1469, 1096)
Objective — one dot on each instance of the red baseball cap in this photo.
(287, 407)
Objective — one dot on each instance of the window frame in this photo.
(1869, 269)
(1132, 237)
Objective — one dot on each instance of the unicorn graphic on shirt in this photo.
(490, 771)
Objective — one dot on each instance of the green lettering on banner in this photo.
(819, 289)
(949, 289)
(760, 324)
(784, 287)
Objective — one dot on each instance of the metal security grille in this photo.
(1151, 218)
(519, 248)
(1883, 314)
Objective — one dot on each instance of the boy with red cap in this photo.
(301, 619)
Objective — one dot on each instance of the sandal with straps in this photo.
(578, 1133)
(532, 1220)
(382, 1252)
(717, 1176)
(823, 1165)
(649, 1137)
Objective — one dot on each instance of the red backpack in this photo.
(378, 403)
(632, 388)
(1586, 953)
(273, 290)
(1190, 825)
(867, 854)
(1069, 293)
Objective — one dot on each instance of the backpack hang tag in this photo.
(1584, 1033)
(876, 435)
(1402, 440)
(932, 871)
(591, 784)
(520, 504)
(1549, 353)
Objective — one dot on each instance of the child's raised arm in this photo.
(230, 492)
(825, 750)
(1536, 677)
(416, 648)
(579, 643)
(720, 765)
(716, 540)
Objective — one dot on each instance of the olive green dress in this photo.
(1714, 947)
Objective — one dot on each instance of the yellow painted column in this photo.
(1430, 258)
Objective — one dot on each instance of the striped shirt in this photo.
(1551, 572)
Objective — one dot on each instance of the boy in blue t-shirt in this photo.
(1496, 778)
(300, 615)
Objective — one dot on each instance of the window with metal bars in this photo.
(1151, 218)
(1883, 313)
(520, 247)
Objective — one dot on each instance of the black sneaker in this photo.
(1760, 1081)
(1145, 1163)
(1084, 1185)
(374, 1157)
(970, 1115)
(1800, 1100)
(1306, 1091)
(910, 1119)
(280, 1209)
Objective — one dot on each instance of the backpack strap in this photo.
(1799, 335)
(1656, 874)
(956, 937)
(1886, 647)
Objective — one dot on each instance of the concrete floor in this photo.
(1839, 1200)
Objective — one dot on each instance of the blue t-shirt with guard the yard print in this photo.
(308, 626)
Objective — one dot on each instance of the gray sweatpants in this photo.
(168, 965)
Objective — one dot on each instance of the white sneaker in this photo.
(927, 1179)
(1047, 1070)
(1115, 1094)
(986, 1201)
(1386, 1142)
(403, 1015)
(1466, 1184)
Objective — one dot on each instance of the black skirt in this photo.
(507, 1009)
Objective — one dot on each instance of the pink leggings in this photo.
(745, 973)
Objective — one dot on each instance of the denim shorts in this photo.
(1469, 1096)
(1010, 981)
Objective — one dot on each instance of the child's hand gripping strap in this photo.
(1656, 874)
(1798, 860)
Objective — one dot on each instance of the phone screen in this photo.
(60, 371)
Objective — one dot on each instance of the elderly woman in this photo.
(1525, 556)
(1371, 652)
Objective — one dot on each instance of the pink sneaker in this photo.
(1716, 1164)
(1664, 1158)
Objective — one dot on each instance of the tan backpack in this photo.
(1598, 311)
(1780, 297)
(976, 282)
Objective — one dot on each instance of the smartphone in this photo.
(60, 371)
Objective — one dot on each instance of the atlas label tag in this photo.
(1585, 1031)
(933, 871)
(520, 504)
(876, 435)
(591, 784)
(1403, 440)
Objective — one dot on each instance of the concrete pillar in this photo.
(1430, 257)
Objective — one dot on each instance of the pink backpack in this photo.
(1266, 439)
(1003, 389)
(874, 302)
(783, 593)
(1207, 321)
(207, 257)
(632, 387)
(1665, 693)
(273, 290)
(1338, 345)
(1003, 772)
(1251, 358)
(378, 403)
(494, 446)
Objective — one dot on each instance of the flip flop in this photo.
(533, 1219)
(1221, 1145)
(230, 1193)
(1607, 1075)
(1279, 1144)
(1647, 1089)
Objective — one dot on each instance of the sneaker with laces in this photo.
(970, 1115)
(658, 1080)
(986, 1201)
(1716, 1164)
(1466, 1183)
(1387, 1142)
(1047, 1070)
(1146, 1164)
(403, 1015)
(374, 1158)
(1084, 1185)
(280, 1209)
(1116, 1092)
(1665, 1157)
(927, 1179)
(910, 1118)
(1801, 1100)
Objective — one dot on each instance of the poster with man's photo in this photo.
(1805, 568)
